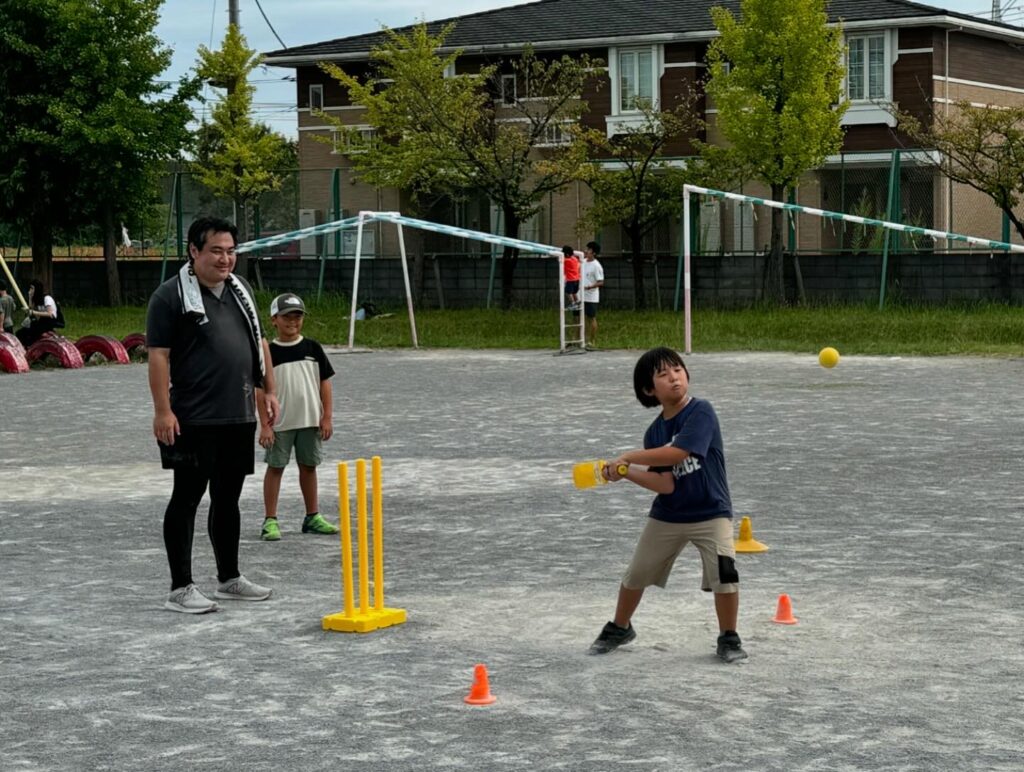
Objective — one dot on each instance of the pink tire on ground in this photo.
(57, 346)
(135, 344)
(109, 348)
(11, 340)
(12, 358)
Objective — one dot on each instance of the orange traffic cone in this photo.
(746, 541)
(784, 612)
(480, 691)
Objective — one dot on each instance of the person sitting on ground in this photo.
(303, 375)
(42, 315)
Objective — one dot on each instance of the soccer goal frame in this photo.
(690, 190)
(400, 221)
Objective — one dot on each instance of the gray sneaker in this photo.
(730, 648)
(188, 600)
(241, 588)
(612, 636)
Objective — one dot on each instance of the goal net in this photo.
(747, 207)
(400, 221)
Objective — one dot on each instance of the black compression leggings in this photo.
(223, 522)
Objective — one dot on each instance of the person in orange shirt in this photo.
(571, 265)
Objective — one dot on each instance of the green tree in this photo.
(127, 134)
(634, 186)
(83, 125)
(981, 146)
(437, 133)
(241, 160)
(775, 78)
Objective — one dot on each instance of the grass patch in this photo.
(984, 329)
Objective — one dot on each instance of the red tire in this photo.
(104, 345)
(10, 339)
(12, 359)
(135, 344)
(58, 347)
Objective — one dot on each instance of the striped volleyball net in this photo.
(794, 209)
(360, 221)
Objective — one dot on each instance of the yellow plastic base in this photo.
(373, 619)
(749, 545)
(746, 541)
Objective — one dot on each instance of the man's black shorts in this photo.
(208, 449)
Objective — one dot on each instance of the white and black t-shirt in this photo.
(299, 367)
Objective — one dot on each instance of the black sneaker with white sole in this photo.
(612, 636)
(730, 647)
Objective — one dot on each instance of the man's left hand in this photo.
(273, 408)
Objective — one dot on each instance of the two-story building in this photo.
(917, 57)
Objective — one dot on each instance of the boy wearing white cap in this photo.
(304, 391)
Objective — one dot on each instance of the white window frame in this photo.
(316, 88)
(621, 119)
(656, 53)
(871, 109)
(366, 131)
(503, 98)
(743, 233)
(555, 135)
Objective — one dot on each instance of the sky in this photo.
(187, 24)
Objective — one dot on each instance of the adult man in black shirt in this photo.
(207, 355)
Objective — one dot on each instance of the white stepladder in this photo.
(567, 344)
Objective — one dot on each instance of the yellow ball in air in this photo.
(828, 357)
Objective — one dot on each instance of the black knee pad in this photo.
(727, 573)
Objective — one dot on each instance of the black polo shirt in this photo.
(214, 364)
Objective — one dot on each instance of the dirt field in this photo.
(888, 491)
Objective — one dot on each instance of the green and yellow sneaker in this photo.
(271, 531)
(316, 524)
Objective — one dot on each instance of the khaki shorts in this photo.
(307, 444)
(661, 543)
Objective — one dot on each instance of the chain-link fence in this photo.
(729, 236)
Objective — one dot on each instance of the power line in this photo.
(264, 15)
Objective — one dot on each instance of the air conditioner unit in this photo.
(309, 247)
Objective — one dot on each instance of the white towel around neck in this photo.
(192, 304)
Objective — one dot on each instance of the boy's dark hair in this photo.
(594, 247)
(647, 366)
(3, 286)
(199, 230)
(568, 251)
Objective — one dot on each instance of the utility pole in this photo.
(243, 261)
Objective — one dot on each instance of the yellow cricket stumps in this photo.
(366, 618)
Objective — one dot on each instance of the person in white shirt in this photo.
(593, 280)
(42, 315)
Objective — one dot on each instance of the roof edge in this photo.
(989, 30)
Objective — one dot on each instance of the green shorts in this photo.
(307, 444)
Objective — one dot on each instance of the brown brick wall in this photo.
(985, 60)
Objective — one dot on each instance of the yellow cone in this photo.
(746, 542)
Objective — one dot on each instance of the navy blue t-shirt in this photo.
(701, 490)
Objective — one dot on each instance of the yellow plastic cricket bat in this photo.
(587, 474)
